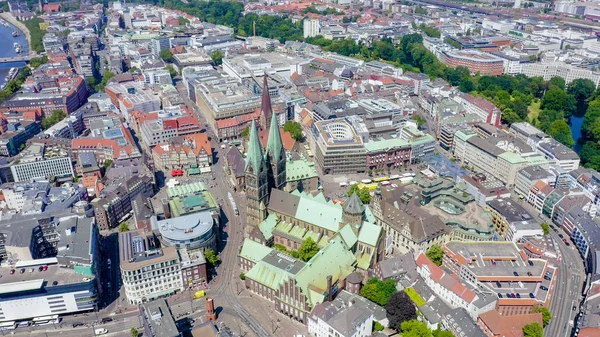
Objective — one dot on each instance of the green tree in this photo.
(294, 128)
(171, 70)
(217, 57)
(559, 82)
(134, 332)
(211, 257)
(107, 163)
(561, 131)
(435, 254)
(57, 116)
(533, 330)
(546, 314)
(183, 21)
(246, 132)
(242, 276)
(38, 61)
(166, 55)
(308, 249)
(363, 193)
(420, 120)
(378, 291)
(123, 227)
(420, 10)
(414, 328)
(105, 78)
(442, 333)
(581, 88)
(91, 81)
(377, 326)
(545, 228)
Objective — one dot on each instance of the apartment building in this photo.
(132, 96)
(190, 151)
(557, 153)
(500, 157)
(511, 220)
(481, 107)
(475, 61)
(159, 131)
(496, 268)
(453, 291)
(111, 208)
(147, 270)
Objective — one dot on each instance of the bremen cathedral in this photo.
(264, 171)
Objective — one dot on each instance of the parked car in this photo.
(531, 295)
(106, 320)
(77, 324)
(100, 331)
(515, 273)
(543, 287)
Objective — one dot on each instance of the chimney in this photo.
(329, 289)
(211, 315)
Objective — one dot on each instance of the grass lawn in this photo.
(534, 111)
(415, 297)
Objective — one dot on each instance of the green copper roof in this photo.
(254, 251)
(274, 143)
(255, 154)
(512, 158)
(299, 169)
(335, 260)
(187, 189)
(266, 227)
(348, 235)
(363, 260)
(369, 234)
(385, 144)
(325, 215)
(268, 275)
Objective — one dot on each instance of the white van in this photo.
(343, 184)
(100, 331)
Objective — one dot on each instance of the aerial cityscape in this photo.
(302, 168)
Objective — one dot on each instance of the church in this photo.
(348, 239)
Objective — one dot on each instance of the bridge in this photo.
(20, 58)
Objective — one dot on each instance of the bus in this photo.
(366, 181)
(380, 179)
(11, 325)
(385, 183)
(46, 320)
(370, 187)
(394, 176)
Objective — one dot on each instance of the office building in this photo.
(147, 270)
(337, 147)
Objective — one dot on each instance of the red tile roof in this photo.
(508, 326)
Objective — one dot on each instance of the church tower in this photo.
(275, 156)
(353, 212)
(266, 109)
(256, 178)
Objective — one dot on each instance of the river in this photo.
(7, 49)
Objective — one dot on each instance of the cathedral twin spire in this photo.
(274, 149)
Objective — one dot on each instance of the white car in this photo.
(100, 331)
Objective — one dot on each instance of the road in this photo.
(566, 291)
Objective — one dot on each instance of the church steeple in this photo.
(255, 153)
(256, 180)
(265, 105)
(275, 156)
(274, 144)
